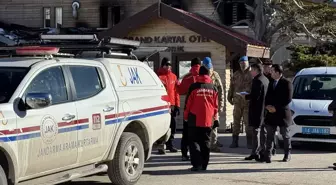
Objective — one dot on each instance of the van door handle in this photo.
(68, 117)
(108, 109)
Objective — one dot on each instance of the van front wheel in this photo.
(3, 177)
(128, 163)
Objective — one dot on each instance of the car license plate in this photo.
(314, 130)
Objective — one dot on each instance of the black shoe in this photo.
(268, 160)
(204, 168)
(251, 157)
(334, 164)
(219, 144)
(235, 140)
(172, 149)
(185, 158)
(161, 151)
(195, 169)
(261, 159)
(287, 158)
(274, 152)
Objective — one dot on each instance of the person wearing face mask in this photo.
(170, 81)
(187, 80)
(257, 109)
(241, 81)
(217, 82)
(278, 114)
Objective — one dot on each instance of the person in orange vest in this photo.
(170, 81)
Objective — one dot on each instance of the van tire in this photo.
(3, 177)
(117, 170)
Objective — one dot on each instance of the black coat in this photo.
(332, 107)
(257, 100)
(280, 98)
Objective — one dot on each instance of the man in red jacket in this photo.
(189, 79)
(170, 81)
(201, 109)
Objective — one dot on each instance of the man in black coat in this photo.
(257, 108)
(278, 113)
(267, 64)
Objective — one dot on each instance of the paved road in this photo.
(308, 167)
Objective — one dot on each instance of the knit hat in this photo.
(243, 59)
(204, 71)
(165, 62)
(196, 61)
(207, 63)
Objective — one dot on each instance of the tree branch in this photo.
(298, 5)
(249, 24)
(249, 8)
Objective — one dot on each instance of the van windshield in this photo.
(10, 78)
(315, 87)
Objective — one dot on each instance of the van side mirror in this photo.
(38, 100)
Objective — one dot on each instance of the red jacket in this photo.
(188, 80)
(202, 103)
(171, 83)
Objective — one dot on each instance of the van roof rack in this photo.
(77, 44)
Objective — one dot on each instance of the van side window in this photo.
(87, 81)
(50, 81)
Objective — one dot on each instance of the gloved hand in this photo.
(216, 124)
(175, 111)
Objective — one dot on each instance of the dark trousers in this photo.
(184, 140)
(199, 143)
(284, 131)
(169, 143)
(261, 141)
(258, 140)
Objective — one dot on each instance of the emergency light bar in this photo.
(36, 50)
(124, 42)
(69, 37)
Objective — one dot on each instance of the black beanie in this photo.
(165, 62)
(196, 61)
(204, 71)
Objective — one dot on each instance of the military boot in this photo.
(235, 139)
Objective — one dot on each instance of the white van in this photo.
(65, 118)
(314, 89)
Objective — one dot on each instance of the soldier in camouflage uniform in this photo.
(240, 82)
(216, 80)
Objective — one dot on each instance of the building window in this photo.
(104, 14)
(109, 16)
(58, 17)
(47, 13)
(235, 11)
(115, 15)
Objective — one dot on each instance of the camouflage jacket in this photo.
(216, 80)
(240, 81)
